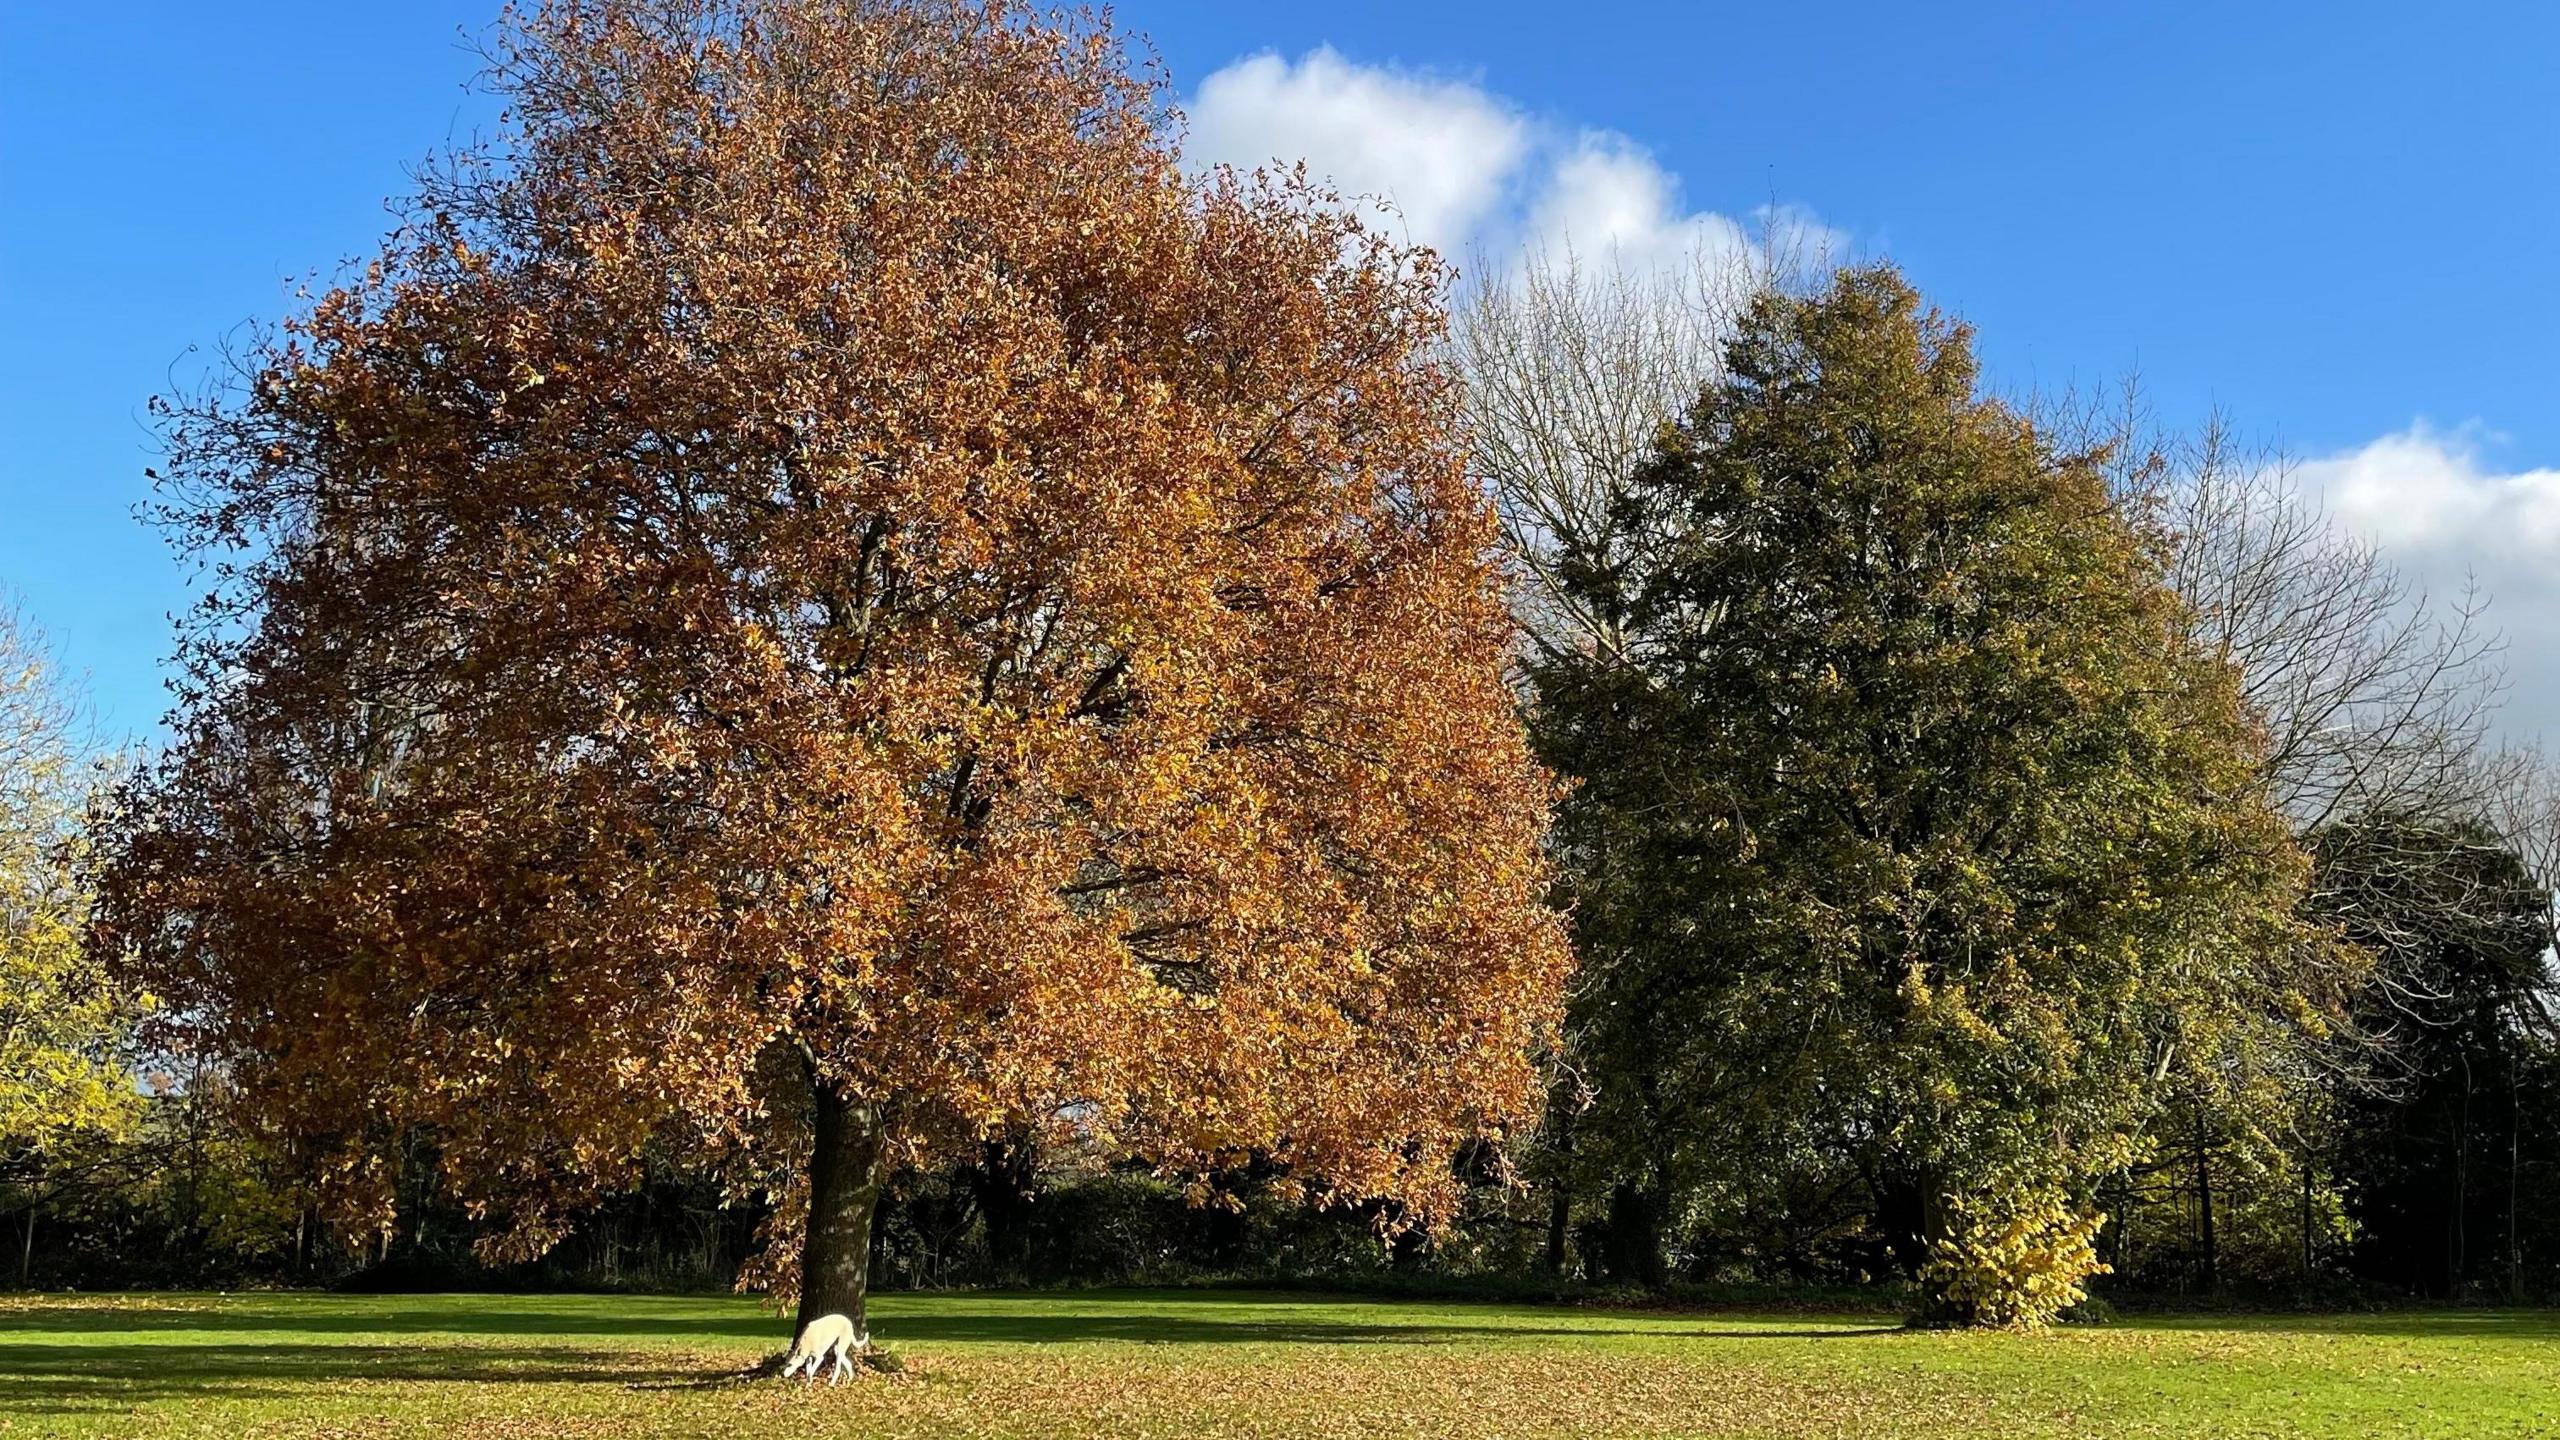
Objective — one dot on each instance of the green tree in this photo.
(1915, 844)
(2436, 1154)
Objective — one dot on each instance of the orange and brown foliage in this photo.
(826, 555)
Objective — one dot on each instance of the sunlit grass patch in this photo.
(1130, 1363)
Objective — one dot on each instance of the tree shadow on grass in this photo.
(1164, 1329)
(64, 1379)
(995, 1318)
(282, 1315)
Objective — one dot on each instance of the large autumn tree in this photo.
(1917, 847)
(821, 589)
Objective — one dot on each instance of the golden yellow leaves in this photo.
(61, 1070)
(2015, 1261)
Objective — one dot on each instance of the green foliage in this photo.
(179, 1196)
(1915, 847)
(2225, 1202)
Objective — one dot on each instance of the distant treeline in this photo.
(2441, 1193)
(2231, 980)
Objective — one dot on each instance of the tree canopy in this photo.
(824, 591)
(1915, 844)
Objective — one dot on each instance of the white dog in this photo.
(827, 1337)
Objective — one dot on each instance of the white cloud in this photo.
(1440, 150)
(2449, 516)
(2430, 490)
(1608, 197)
(1471, 174)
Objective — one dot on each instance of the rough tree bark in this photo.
(845, 1164)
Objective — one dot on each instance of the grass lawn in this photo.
(1182, 1363)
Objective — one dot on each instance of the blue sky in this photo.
(2338, 222)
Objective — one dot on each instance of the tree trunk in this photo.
(1937, 1223)
(2515, 1159)
(1901, 1220)
(2458, 1238)
(27, 1249)
(2212, 1268)
(1560, 1198)
(2306, 1223)
(844, 1189)
(1004, 1183)
(2123, 1228)
(1635, 1241)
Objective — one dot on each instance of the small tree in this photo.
(825, 592)
(63, 1027)
(1916, 839)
